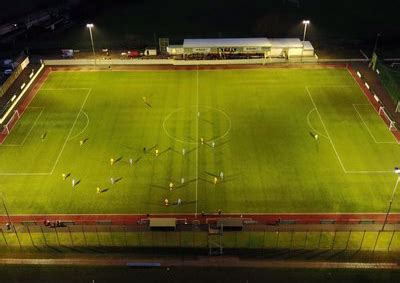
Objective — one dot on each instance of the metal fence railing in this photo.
(22, 63)
(362, 236)
(390, 79)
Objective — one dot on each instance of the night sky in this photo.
(124, 21)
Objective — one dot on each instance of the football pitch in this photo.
(285, 140)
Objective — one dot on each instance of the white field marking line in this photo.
(30, 130)
(310, 125)
(326, 131)
(366, 126)
(84, 129)
(332, 85)
(337, 154)
(369, 172)
(34, 124)
(369, 101)
(25, 174)
(62, 149)
(197, 137)
(196, 109)
(70, 131)
(66, 88)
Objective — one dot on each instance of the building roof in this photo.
(226, 42)
(163, 222)
(175, 46)
(308, 45)
(286, 42)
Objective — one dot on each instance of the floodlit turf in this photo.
(262, 122)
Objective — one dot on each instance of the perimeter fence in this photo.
(365, 235)
(390, 79)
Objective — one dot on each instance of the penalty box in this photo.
(360, 139)
(35, 144)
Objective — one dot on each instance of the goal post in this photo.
(389, 121)
(11, 122)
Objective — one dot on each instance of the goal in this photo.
(389, 121)
(10, 124)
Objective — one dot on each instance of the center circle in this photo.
(193, 123)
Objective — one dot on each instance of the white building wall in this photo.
(308, 53)
(277, 52)
(295, 52)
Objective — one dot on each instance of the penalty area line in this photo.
(326, 131)
(311, 126)
(84, 129)
(70, 131)
(334, 148)
(63, 146)
(366, 126)
(30, 130)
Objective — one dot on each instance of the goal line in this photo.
(19, 103)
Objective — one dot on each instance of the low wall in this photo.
(101, 62)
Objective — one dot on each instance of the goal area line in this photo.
(375, 104)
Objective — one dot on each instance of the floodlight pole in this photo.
(90, 26)
(390, 203)
(376, 42)
(9, 218)
(305, 23)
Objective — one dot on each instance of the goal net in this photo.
(389, 121)
(10, 124)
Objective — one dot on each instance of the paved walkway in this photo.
(203, 261)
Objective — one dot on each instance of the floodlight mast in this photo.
(90, 26)
(396, 171)
(376, 42)
(305, 23)
(9, 218)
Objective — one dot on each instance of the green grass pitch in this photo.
(258, 127)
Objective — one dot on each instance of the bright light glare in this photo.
(90, 25)
(306, 22)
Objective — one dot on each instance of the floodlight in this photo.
(305, 23)
(90, 26)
